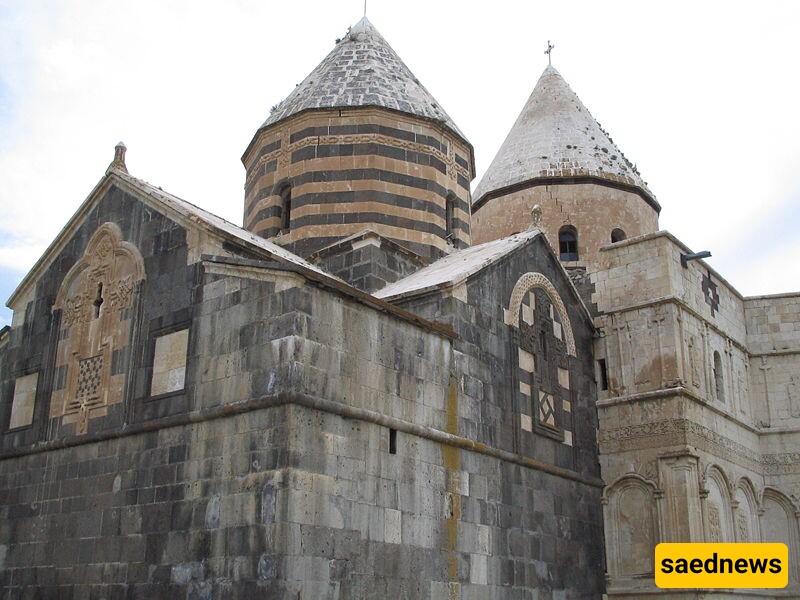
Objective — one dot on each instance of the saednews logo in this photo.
(722, 565)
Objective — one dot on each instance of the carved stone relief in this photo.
(536, 280)
(793, 395)
(742, 528)
(630, 519)
(94, 299)
(714, 523)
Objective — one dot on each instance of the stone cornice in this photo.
(681, 304)
(314, 403)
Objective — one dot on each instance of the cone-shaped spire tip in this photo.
(556, 136)
(362, 70)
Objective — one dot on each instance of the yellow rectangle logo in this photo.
(722, 565)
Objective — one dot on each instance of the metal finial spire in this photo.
(548, 51)
(365, 8)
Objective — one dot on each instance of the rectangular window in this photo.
(169, 363)
(24, 401)
(393, 441)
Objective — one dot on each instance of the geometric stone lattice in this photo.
(89, 377)
(547, 414)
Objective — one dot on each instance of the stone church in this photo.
(385, 385)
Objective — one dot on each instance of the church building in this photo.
(386, 385)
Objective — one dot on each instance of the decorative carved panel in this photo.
(93, 299)
(631, 531)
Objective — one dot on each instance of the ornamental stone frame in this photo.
(95, 302)
(532, 280)
(632, 526)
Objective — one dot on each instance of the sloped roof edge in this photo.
(180, 209)
(447, 273)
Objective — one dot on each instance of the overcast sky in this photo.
(702, 96)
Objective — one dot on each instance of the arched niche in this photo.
(779, 524)
(631, 526)
(745, 512)
(718, 522)
(531, 281)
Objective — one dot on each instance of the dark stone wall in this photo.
(320, 449)
(164, 301)
(160, 514)
(369, 268)
(488, 342)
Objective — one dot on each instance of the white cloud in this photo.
(704, 105)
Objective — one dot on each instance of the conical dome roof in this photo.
(363, 70)
(555, 136)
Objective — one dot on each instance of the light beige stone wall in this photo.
(24, 400)
(707, 447)
(773, 336)
(594, 210)
(646, 269)
(658, 329)
(773, 323)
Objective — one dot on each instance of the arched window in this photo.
(286, 208)
(568, 243)
(719, 384)
(617, 235)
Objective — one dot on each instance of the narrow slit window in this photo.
(449, 218)
(601, 365)
(393, 441)
(286, 209)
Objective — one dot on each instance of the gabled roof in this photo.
(175, 207)
(451, 271)
(454, 268)
(555, 136)
(214, 222)
(363, 70)
(368, 233)
(188, 214)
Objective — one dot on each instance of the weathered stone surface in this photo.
(192, 411)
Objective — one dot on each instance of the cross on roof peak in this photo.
(548, 51)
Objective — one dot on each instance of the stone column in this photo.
(681, 510)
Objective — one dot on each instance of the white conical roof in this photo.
(363, 70)
(556, 136)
